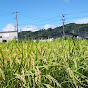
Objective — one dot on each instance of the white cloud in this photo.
(48, 26)
(29, 28)
(66, 1)
(80, 21)
(9, 27)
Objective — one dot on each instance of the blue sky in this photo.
(38, 14)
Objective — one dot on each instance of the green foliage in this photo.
(57, 64)
(69, 28)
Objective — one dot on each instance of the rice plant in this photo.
(56, 64)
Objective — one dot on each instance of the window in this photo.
(0, 36)
(4, 41)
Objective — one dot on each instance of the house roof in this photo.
(83, 35)
(8, 31)
(61, 34)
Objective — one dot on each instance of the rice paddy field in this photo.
(56, 64)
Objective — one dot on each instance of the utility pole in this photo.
(20, 34)
(63, 19)
(16, 24)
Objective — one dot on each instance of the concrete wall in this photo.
(8, 35)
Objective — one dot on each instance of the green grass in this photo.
(57, 64)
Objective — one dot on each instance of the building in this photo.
(60, 35)
(9, 35)
(83, 36)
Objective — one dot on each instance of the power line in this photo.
(44, 20)
(50, 21)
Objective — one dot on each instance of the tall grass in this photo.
(57, 64)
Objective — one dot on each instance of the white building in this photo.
(9, 35)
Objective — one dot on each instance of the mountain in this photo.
(69, 28)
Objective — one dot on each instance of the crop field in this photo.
(56, 64)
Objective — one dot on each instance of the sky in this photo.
(34, 15)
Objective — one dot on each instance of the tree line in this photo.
(69, 28)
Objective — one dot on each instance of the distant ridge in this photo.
(69, 28)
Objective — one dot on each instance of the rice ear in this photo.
(53, 80)
(2, 73)
(21, 78)
(48, 86)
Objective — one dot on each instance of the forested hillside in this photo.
(69, 28)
